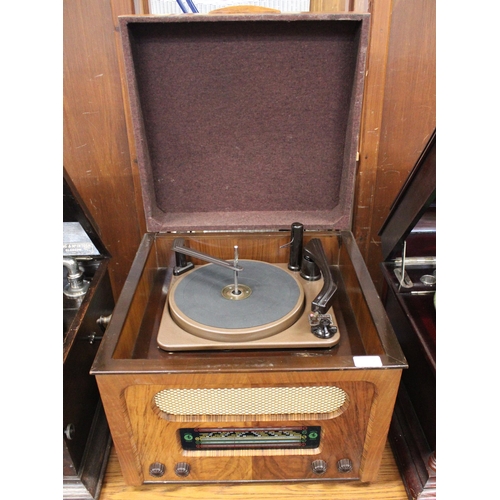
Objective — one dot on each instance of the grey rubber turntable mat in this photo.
(274, 294)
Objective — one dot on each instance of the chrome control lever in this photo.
(179, 248)
(77, 286)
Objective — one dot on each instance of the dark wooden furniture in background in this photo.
(411, 228)
(398, 118)
(86, 439)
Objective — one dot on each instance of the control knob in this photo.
(157, 469)
(318, 466)
(182, 469)
(344, 465)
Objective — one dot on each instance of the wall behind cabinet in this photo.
(399, 113)
(96, 146)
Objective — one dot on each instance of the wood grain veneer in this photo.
(388, 486)
(141, 437)
(272, 464)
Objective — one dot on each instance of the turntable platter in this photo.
(271, 300)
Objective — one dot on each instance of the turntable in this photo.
(246, 346)
(250, 304)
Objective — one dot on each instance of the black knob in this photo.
(295, 258)
(318, 466)
(344, 465)
(157, 469)
(182, 469)
(324, 329)
(309, 270)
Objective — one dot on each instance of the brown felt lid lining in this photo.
(246, 122)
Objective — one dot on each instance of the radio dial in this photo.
(319, 466)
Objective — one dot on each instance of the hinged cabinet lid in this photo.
(246, 121)
(415, 198)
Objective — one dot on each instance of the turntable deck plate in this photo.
(198, 316)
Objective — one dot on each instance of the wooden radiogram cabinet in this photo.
(131, 371)
(87, 304)
(235, 145)
(409, 269)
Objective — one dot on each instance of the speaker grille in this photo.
(276, 403)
